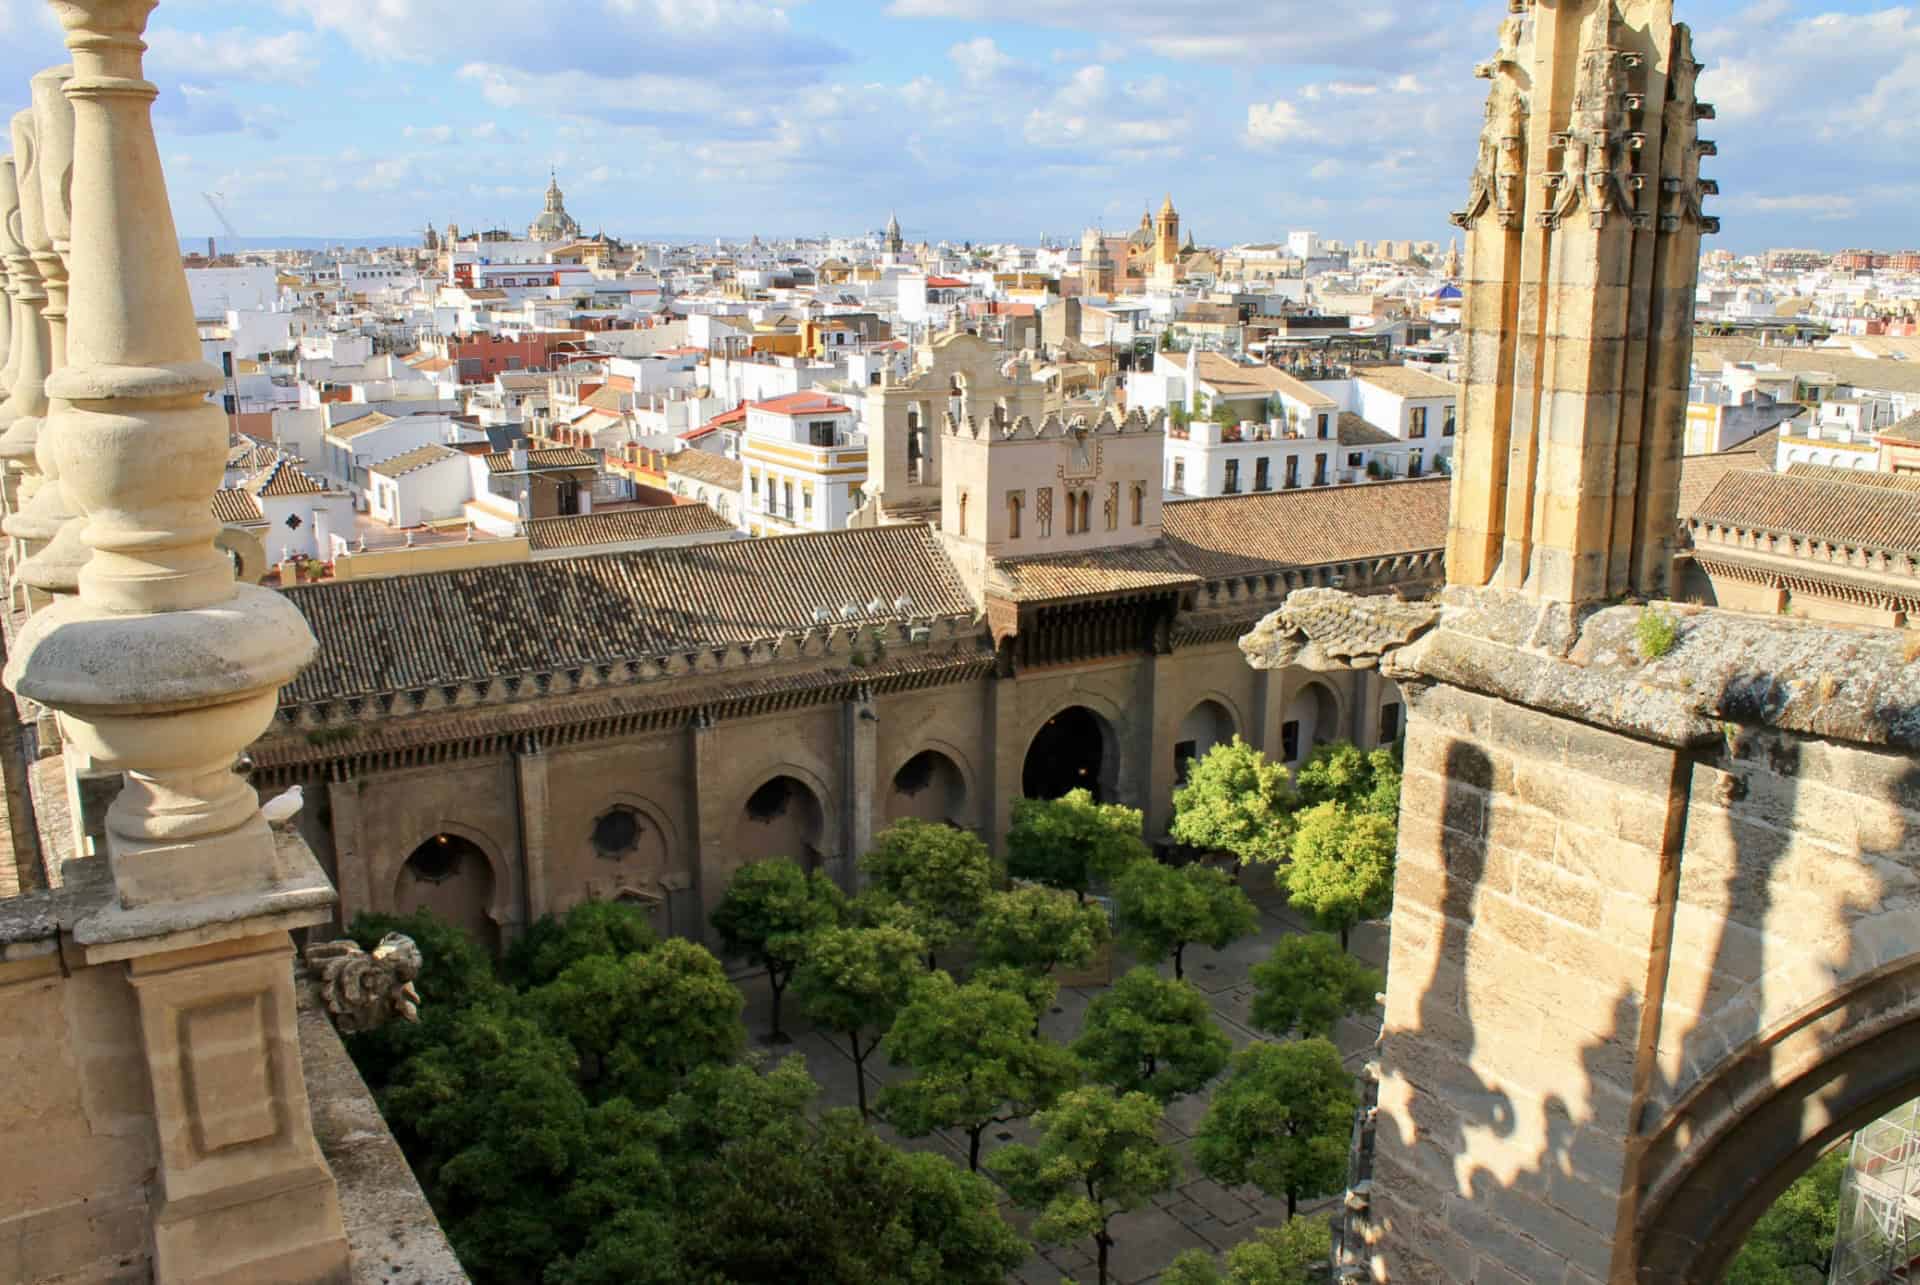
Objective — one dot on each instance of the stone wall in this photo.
(1656, 936)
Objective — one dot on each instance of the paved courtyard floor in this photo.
(1197, 1213)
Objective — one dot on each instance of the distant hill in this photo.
(198, 244)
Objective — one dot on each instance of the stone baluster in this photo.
(47, 525)
(9, 210)
(162, 667)
(26, 404)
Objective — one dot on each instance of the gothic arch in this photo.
(814, 833)
(1320, 713)
(1078, 745)
(1760, 1116)
(1211, 720)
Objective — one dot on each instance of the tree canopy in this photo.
(1039, 929)
(853, 982)
(1071, 841)
(1151, 1035)
(1099, 1154)
(1365, 781)
(553, 943)
(1164, 909)
(1294, 1253)
(1308, 984)
(767, 915)
(642, 1022)
(939, 874)
(1282, 1122)
(1236, 801)
(1342, 871)
(975, 1058)
(1793, 1241)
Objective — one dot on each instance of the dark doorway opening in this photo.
(1067, 754)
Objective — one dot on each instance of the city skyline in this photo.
(975, 119)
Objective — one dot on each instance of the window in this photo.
(1355, 459)
(1113, 506)
(1261, 480)
(1139, 502)
(1184, 753)
(1086, 512)
(1290, 741)
(1447, 425)
(1233, 477)
(616, 834)
(789, 490)
(1389, 723)
(1326, 425)
(1293, 471)
(820, 433)
(1043, 511)
(1015, 499)
(1180, 475)
(1417, 422)
(806, 500)
(1415, 463)
(963, 513)
(1320, 470)
(753, 484)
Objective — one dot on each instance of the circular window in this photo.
(617, 833)
(437, 860)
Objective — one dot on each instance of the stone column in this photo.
(26, 404)
(861, 731)
(1009, 758)
(351, 860)
(162, 667)
(48, 524)
(530, 777)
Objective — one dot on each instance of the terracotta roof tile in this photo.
(1356, 430)
(705, 466)
(1699, 474)
(422, 457)
(1859, 477)
(1907, 430)
(1405, 381)
(1833, 511)
(283, 478)
(1231, 379)
(623, 526)
(554, 457)
(235, 506)
(1093, 573)
(1249, 534)
(403, 632)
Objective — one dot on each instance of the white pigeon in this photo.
(283, 808)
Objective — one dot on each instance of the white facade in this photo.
(421, 492)
(218, 291)
(805, 468)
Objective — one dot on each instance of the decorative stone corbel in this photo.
(363, 992)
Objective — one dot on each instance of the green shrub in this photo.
(1656, 632)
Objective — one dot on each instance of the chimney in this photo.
(519, 455)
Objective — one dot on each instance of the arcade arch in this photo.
(930, 786)
(1075, 749)
(1312, 719)
(783, 817)
(1206, 725)
(453, 877)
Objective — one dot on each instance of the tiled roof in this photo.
(603, 398)
(1859, 477)
(1699, 474)
(1230, 379)
(804, 403)
(1093, 573)
(283, 478)
(250, 456)
(1872, 373)
(1405, 381)
(1764, 444)
(1830, 510)
(706, 466)
(1358, 431)
(421, 457)
(235, 506)
(1249, 534)
(1907, 430)
(553, 457)
(365, 423)
(624, 526)
(403, 632)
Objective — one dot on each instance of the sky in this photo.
(984, 120)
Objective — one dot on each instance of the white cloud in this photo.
(429, 133)
(981, 62)
(282, 58)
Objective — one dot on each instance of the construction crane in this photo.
(214, 203)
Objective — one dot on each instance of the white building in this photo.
(1842, 435)
(218, 291)
(806, 466)
(427, 484)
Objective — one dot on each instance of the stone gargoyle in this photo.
(1328, 629)
(365, 991)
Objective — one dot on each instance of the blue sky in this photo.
(981, 119)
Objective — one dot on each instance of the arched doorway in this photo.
(782, 818)
(450, 875)
(1312, 718)
(928, 787)
(1206, 725)
(1073, 750)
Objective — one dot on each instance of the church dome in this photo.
(554, 223)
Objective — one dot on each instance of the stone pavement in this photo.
(1198, 1213)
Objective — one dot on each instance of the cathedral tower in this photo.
(1166, 245)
